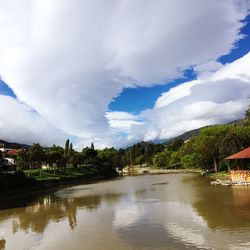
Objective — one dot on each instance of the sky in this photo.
(117, 72)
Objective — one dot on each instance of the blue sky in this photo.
(6, 90)
(135, 100)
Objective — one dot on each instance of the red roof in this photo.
(12, 152)
(244, 154)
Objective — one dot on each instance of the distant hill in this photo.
(185, 136)
(189, 134)
(13, 145)
(195, 132)
(237, 122)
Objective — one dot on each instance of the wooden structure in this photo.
(240, 175)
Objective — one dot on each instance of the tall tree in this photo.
(230, 144)
(53, 154)
(1, 159)
(207, 144)
(70, 150)
(23, 158)
(247, 117)
(37, 155)
(66, 149)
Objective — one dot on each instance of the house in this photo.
(9, 161)
(9, 154)
(12, 152)
(241, 175)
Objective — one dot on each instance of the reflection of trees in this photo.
(241, 196)
(49, 208)
(37, 216)
(223, 207)
(111, 198)
(2, 244)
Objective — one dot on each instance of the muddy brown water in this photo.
(172, 211)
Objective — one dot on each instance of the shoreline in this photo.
(44, 187)
(152, 171)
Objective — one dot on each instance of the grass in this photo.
(220, 175)
(60, 174)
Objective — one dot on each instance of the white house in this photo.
(9, 161)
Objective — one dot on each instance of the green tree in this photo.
(1, 160)
(191, 161)
(243, 132)
(66, 148)
(162, 159)
(175, 145)
(247, 117)
(207, 144)
(53, 154)
(23, 159)
(230, 144)
(71, 151)
(110, 156)
(89, 154)
(78, 159)
(140, 160)
(36, 155)
(175, 160)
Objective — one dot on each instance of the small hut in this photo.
(240, 175)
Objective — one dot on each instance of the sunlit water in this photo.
(174, 211)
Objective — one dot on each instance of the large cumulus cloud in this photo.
(221, 97)
(68, 59)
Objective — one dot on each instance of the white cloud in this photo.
(220, 98)
(206, 69)
(120, 115)
(69, 59)
(122, 121)
(19, 123)
(175, 94)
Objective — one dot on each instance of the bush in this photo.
(15, 181)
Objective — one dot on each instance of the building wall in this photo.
(9, 161)
(240, 176)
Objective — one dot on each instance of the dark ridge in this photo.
(13, 145)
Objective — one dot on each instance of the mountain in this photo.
(195, 132)
(189, 134)
(13, 145)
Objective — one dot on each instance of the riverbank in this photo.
(225, 179)
(43, 187)
(34, 181)
(223, 176)
(174, 171)
(137, 170)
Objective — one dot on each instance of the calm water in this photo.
(175, 211)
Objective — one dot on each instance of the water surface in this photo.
(173, 211)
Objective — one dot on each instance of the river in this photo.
(172, 211)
